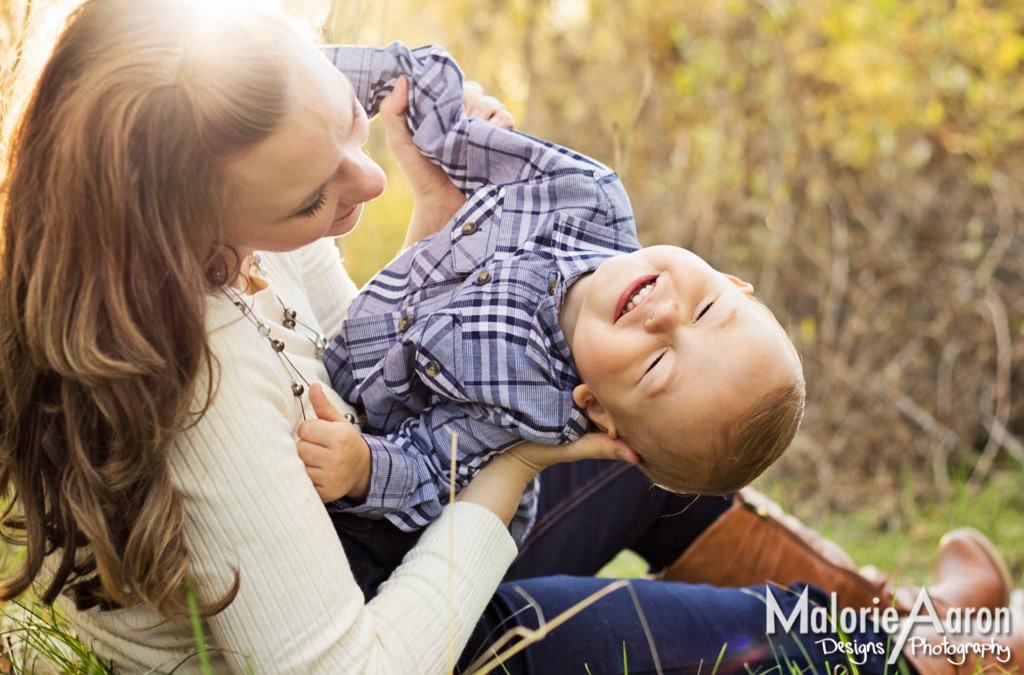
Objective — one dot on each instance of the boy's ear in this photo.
(597, 414)
(744, 287)
(594, 411)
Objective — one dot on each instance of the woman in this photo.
(148, 422)
(154, 372)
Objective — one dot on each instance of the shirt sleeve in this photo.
(474, 153)
(411, 467)
(250, 509)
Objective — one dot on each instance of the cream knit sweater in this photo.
(250, 507)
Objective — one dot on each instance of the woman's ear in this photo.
(594, 411)
(744, 287)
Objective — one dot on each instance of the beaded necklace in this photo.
(290, 321)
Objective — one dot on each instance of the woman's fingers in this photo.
(471, 91)
(485, 107)
(492, 110)
(594, 445)
(392, 116)
(425, 177)
(598, 445)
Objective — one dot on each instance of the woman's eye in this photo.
(703, 311)
(315, 207)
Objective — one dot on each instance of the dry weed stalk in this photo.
(528, 636)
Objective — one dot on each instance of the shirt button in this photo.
(404, 323)
(551, 287)
(483, 278)
(432, 369)
(469, 228)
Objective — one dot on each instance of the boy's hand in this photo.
(337, 458)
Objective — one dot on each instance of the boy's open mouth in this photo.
(635, 294)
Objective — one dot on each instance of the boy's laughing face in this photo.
(662, 338)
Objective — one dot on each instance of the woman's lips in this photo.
(629, 293)
(345, 215)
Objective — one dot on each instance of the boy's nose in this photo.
(664, 315)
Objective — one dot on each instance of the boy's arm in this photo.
(411, 467)
(435, 97)
(471, 151)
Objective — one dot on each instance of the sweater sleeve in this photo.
(328, 286)
(251, 510)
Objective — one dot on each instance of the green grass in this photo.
(902, 541)
(44, 634)
(902, 544)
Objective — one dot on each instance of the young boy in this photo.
(534, 314)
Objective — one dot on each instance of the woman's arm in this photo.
(250, 508)
(500, 484)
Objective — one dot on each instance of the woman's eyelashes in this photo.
(315, 207)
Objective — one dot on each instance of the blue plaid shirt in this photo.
(459, 335)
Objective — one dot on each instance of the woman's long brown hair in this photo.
(111, 209)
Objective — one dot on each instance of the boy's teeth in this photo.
(642, 293)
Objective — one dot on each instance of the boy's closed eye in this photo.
(703, 311)
(654, 363)
(660, 358)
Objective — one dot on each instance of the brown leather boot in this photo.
(756, 542)
(969, 572)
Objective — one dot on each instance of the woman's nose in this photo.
(663, 315)
(362, 178)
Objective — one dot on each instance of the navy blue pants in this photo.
(588, 512)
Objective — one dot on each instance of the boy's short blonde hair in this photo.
(731, 460)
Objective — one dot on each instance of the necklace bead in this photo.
(276, 345)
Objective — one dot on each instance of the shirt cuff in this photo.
(392, 481)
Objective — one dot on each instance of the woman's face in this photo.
(310, 177)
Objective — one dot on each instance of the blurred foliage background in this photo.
(860, 161)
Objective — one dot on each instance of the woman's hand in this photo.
(485, 107)
(532, 458)
(499, 485)
(435, 199)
